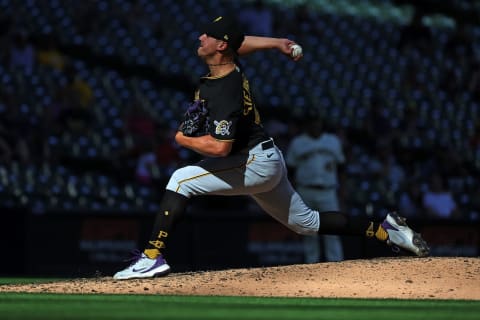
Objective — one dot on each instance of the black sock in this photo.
(339, 223)
(171, 208)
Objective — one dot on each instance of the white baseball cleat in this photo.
(400, 235)
(144, 267)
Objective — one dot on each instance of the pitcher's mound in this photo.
(403, 278)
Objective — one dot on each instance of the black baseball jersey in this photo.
(233, 114)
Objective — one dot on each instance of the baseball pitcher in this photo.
(224, 125)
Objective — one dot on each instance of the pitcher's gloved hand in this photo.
(195, 122)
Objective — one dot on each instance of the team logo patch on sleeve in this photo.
(222, 127)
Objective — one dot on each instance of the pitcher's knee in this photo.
(180, 179)
(304, 225)
(305, 231)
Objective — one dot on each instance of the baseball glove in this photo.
(195, 120)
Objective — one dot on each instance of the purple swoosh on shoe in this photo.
(159, 261)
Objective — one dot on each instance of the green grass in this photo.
(74, 306)
(108, 306)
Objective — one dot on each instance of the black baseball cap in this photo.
(226, 29)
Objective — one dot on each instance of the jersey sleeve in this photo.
(224, 114)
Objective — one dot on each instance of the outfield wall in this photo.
(84, 244)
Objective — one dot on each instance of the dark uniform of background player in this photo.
(240, 158)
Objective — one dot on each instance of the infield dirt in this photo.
(401, 278)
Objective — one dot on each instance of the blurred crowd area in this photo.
(92, 91)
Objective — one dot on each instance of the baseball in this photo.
(296, 50)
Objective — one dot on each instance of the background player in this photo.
(313, 158)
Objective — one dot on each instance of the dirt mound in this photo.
(403, 278)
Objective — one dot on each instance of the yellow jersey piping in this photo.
(218, 171)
